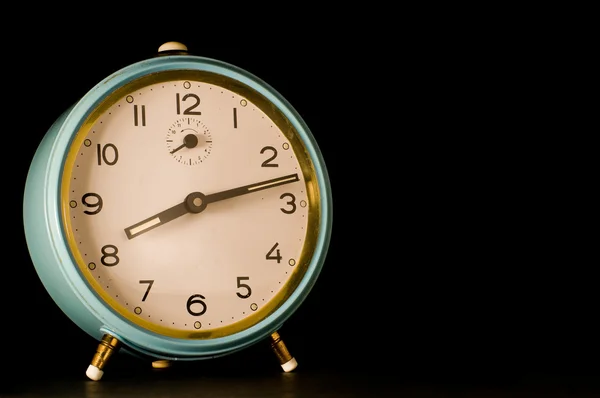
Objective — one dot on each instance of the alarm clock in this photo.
(180, 210)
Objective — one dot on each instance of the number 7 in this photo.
(150, 283)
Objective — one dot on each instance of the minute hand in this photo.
(230, 193)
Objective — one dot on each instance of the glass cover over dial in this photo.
(190, 204)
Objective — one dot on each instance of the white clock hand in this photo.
(196, 202)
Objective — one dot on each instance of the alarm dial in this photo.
(145, 149)
(189, 141)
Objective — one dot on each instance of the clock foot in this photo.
(287, 362)
(107, 346)
(161, 364)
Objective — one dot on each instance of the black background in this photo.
(450, 258)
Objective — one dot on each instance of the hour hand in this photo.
(195, 202)
(156, 220)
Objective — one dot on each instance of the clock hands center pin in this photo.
(189, 141)
(196, 202)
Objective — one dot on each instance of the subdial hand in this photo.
(189, 141)
(196, 202)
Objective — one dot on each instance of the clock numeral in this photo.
(139, 116)
(267, 162)
(189, 110)
(235, 118)
(150, 283)
(291, 203)
(243, 285)
(109, 255)
(103, 152)
(196, 299)
(276, 256)
(97, 204)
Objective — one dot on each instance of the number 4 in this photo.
(271, 256)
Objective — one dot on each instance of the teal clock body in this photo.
(180, 210)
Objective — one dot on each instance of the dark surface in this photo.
(287, 386)
(255, 373)
(456, 267)
(245, 382)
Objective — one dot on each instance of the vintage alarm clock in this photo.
(180, 210)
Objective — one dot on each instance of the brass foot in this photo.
(287, 362)
(107, 346)
(161, 364)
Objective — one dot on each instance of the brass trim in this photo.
(161, 364)
(107, 346)
(280, 349)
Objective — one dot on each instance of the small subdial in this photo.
(189, 141)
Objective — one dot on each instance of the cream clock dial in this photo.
(138, 236)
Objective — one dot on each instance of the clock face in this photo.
(190, 204)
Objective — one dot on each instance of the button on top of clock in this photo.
(172, 46)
